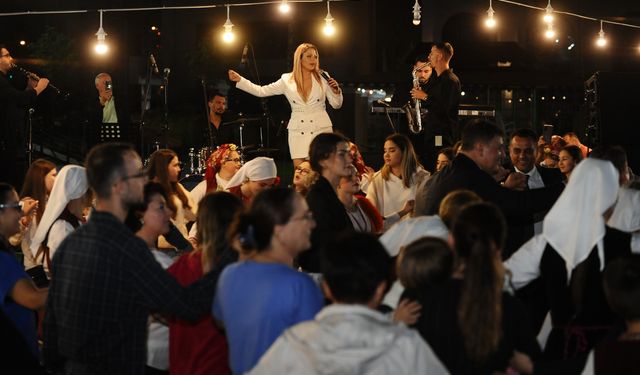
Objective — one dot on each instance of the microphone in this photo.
(382, 102)
(166, 72)
(325, 75)
(154, 66)
(243, 59)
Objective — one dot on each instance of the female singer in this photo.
(306, 92)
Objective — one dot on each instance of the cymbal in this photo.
(243, 120)
(263, 149)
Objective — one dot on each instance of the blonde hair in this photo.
(296, 73)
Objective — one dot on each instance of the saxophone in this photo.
(413, 115)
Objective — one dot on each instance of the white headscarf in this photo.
(575, 224)
(71, 183)
(626, 215)
(406, 231)
(258, 169)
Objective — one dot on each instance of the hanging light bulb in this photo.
(416, 13)
(284, 7)
(548, 13)
(490, 22)
(328, 29)
(101, 47)
(601, 41)
(550, 33)
(228, 36)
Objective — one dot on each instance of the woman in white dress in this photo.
(393, 188)
(306, 92)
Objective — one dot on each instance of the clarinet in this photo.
(35, 77)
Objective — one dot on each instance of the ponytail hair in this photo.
(269, 208)
(479, 233)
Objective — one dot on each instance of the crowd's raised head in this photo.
(356, 268)
(254, 229)
(425, 262)
(322, 147)
(105, 164)
(479, 131)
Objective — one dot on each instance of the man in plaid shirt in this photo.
(105, 281)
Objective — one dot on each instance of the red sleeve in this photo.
(372, 213)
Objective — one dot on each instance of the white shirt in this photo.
(158, 334)
(535, 182)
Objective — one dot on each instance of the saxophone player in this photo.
(442, 101)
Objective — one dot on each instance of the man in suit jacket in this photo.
(523, 154)
(473, 169)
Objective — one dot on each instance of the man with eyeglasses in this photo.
(107, 282)
(13, 108)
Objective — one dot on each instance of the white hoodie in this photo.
(349, 339)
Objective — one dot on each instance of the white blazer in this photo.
(307, 115)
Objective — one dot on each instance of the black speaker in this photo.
(612, 101)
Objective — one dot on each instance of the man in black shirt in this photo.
(217, 133)
(107, 282)
(442, 100)
(13, 105)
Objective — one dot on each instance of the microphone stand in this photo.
(206, 111)
(145, 102)
(165, 127)
(263, 102)
(30, 113)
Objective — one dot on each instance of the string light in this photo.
(101, 47)
(601, 41)
(548, 13)
(329, 29)
(228, 36)
(490, 22)
(416, 13)
(284, 7)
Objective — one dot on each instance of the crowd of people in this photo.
(497, 255)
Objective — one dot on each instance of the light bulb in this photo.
(490, 22)
(602, 41)
(329, 29)
(548, 13)
(284, 7)
(416, 13)
(101, 48)
(549, 34)
(228, 36)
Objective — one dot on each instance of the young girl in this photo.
(200, 347)
(393, 189)
(164, 168)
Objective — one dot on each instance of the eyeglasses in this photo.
(303, 170)
(16, 206)
(141, 174)
(308, 216)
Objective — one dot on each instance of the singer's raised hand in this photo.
(234, 76)
(335, 87)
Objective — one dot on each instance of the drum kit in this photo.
(197, 158)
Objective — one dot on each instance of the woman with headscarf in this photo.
(306, 91)
(69, 198)
(569, 256)
(223, 163)
(254, 176)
